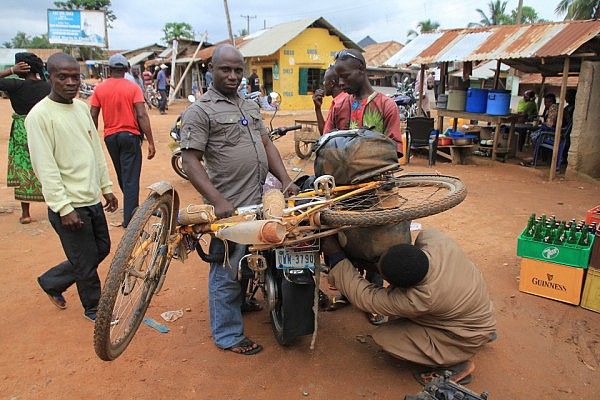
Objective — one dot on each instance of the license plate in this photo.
(285, 259)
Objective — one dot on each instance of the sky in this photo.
(140, 22)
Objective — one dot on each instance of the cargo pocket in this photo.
(229, 128)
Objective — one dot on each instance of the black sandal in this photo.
(245, 348)
(424, 376)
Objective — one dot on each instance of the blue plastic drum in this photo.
(498, 102)
(477, 100)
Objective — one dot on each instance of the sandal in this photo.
(377, 319)
(25, 220)
(460, 373)
(246, 347)
(339, 301)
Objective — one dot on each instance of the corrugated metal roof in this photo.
(267, 42)
(140, 57)
(377, 54)
(501, 42)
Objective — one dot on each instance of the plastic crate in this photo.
(565, 254)
(593, 215)
(554, 281)
(591, 291)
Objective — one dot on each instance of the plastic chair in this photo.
(420, 134)
(546, 141)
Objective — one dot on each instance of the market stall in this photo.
(550, 49)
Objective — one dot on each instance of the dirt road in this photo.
(545, 349)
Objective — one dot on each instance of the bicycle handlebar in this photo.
(279, 132)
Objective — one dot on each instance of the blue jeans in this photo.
(225, 296)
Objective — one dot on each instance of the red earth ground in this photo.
(545, 349)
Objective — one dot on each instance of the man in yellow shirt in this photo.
(67, 158)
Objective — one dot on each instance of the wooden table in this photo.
(495, 119)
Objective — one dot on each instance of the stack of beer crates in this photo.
(555, 258)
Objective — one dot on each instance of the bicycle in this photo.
(282, 235)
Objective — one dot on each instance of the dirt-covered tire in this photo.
(456, 193)
(103, 345)
(177, 164)
(303, 149)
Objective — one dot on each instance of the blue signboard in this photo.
(77, 27)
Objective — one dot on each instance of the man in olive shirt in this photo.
(227, 132)
(442, 311)
(67, 157)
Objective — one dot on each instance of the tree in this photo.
(100, 5)
(497, 14)
(23, 41)
(423, 27)
(177, 30)
(242, 32)
(579, 9)
(20, 41)
(528, 16)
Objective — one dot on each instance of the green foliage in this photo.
(497, 14)
(528, 16)
(100, 5)
(24, 41)
(423, 27)
(177, 30)
(579, 9)
(241, 33)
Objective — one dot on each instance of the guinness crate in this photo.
(565, 254)
(554, 281)
(591, 291)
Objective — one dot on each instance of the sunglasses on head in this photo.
(343, 54)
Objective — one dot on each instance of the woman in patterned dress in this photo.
(24, 93)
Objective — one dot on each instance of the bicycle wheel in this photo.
(398, 199)
(135, 271)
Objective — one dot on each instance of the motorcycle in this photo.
(86, 90)
(153, 96)
(406, 100)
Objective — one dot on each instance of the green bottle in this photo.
(560, 235)
(572, 235)
(530, 224)
(544, 219)
(540, 232)
(584, 239)
(548, 233)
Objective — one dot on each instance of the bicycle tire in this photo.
(115, 278)
(457, 192)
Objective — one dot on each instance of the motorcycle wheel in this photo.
(303, 149)
(290, 307)
(177, 164)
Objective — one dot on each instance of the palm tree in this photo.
(579, 9)
(497, 15)
(423, 27)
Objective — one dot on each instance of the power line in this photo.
(247, 18)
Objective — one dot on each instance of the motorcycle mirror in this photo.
(191, 98)
(275, 99)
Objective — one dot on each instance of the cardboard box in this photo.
(591, 291)
(554, 281)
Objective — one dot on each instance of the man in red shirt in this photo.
(364, 107)
(331, 87)
(125, 121)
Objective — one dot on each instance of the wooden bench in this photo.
(458, 154)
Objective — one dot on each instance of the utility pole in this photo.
(247, 18)
(519, 12)
(229, 23)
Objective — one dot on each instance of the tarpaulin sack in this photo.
(354, 155)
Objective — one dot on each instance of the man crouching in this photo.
(439, 307)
